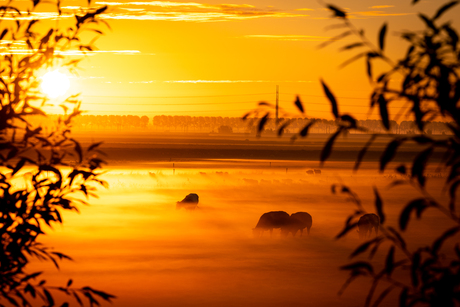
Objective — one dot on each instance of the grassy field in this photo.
(145, 146)
(132, 242)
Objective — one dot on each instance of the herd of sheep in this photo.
(288, 223)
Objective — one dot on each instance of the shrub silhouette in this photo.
(430, 88)
(34, 189)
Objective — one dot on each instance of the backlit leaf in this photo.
(382, 33)
(379, 206)
(419, 205)
(363, 151)
(262, 123)
(304, 131)
(444, 8)
(438, 243)
(331, 98)
(389, 153)
(389, 262)
(351, 46)
(327, 149)
(364, 247)
(337, 12)
(298, 104)
(348, 227)
(401, 169)
(419, 164)
(384, 112)
(428, 22)
(282, 127)
(359, 265)
(334, 39)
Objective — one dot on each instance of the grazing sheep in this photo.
(271, 220)
(190, 202)
(366, 223)
(297, 221)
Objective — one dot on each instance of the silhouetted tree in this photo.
(430, 88)
(33, 189)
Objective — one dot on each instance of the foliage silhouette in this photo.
(35, 186)
(430, 88)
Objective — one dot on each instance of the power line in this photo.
(164, 104)
(300, 95)
(202, 96)
(216, 103)
(339, 105)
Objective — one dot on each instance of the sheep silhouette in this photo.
(271, 220)
(190, 202)
(366, 223)
(297, 221)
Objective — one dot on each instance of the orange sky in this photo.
(219, 58)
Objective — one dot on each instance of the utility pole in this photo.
(277, 102)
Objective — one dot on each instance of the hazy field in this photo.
(132, 242)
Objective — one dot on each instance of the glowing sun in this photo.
(55, 84)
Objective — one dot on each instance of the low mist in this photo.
(132, 241)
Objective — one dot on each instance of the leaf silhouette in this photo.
(401, 169)
(364, 247)
(419, 164)
(428, 22)
(453, 36)
(384, 111)
(383, 295)
(422, 139)
(298, 104)
(347, 228)
(398, 237)
(444, 8)
(359, 265)
(3, 33)
(369, 68)
(419, 205)
(282, 127)
(382, 33)
(262, 123)
(350, 120)
(78, 150)
(94, 146)
(49, 297)
(389, 153)
(452, 192)
(18, 166)
(351, 46)
(351, 60)
(438, 243)
(245, 116)
(304, 131)
(337, 12)
(379, 206)
(389, 262)
(263, 103)
(403, 294)
(327, 149)
(334, 39)
(415, 267)
(332, 99)
(363, 151)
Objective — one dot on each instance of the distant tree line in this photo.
(218, 124)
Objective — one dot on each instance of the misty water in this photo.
(132, 242)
